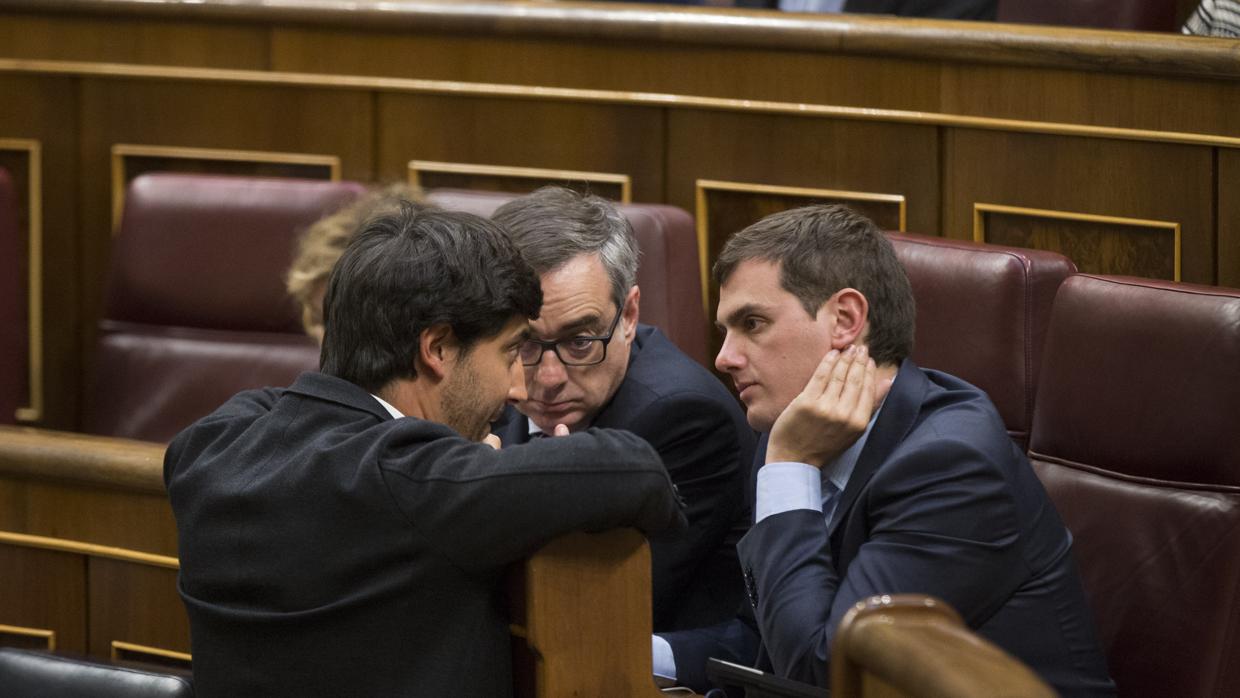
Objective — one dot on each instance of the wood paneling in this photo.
(136, 604)
(793, 151)
(799, 152)
(46, 112)
(518, 180)
(556, 135)
(44, 590)
(1181, 103)
(135, 41)
(626, 67)
(1229, 218)
(1103, 246)
(93, 515)
(1155, 181)
(21, 159)
(222, 116)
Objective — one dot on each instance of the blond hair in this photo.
(321, 245)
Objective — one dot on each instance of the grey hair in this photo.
(553, 225)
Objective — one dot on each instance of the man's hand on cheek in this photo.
(830, 413)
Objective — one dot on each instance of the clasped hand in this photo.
(831, 412)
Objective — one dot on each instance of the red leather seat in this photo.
(668, 275)
(196, 307)
(982, 312)
(1136, 438)
(13, 331)
(1137, 15)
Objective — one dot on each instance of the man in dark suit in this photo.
(590, 363)
(876, 477)
(346, 535)
(940, 9)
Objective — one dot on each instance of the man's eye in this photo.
(752, 324)
(578, 347)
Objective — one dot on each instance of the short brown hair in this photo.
(555, 224)
(822, 249)
(323, 242)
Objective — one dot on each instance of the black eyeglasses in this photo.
(574, 351)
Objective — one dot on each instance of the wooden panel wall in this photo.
(1125, 161)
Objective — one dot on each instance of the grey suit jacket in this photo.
(328, 549)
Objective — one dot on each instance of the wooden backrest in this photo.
(1135, 439)
(912, 645)
(581, 618)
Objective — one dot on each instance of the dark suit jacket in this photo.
(328, 549)
(941, 502)
(941, 9)
(700, 432)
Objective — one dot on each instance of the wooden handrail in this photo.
(95, 460)
(918, 646)
(939, 40)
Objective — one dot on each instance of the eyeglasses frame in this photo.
(554, 345)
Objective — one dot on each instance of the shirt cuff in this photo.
(787, 487)
(664, 660)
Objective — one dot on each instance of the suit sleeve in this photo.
(941, 523)
(699, 445)
(483, 508)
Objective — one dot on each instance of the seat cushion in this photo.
(159, 380)
(26, 674)
(1135, 438)
(211, 252)
(982, 312)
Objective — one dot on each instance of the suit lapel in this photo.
(894, 422)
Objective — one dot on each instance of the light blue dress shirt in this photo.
(811, 5)
(781, 487)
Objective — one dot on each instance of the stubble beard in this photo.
(463, 407)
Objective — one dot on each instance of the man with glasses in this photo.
(589, 363)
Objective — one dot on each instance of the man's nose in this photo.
(550, 372)
(729, 357)
(516, 383)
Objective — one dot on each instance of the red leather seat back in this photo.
(1135, 437)
(13, 330)
(1137, 15)
(197, 309)
(668, 275)
(982, 312)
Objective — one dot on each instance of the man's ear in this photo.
(631, 309)
(437, 349)
(851, 311)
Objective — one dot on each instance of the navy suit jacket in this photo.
(941, 9)
(941, 502)
(328, 549)
(699, 430)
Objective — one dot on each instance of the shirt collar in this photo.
(840, 470)
(391, 410)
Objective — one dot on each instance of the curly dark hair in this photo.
(410, 269)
